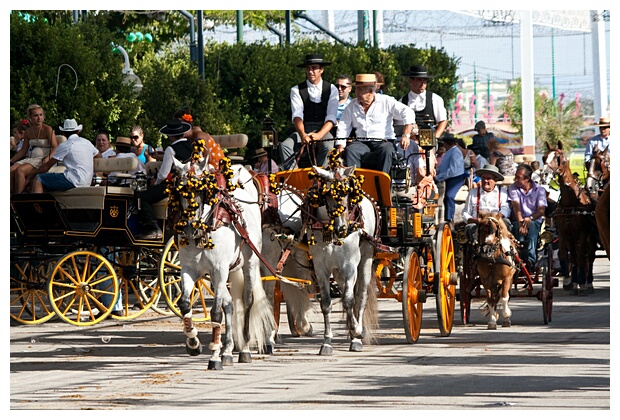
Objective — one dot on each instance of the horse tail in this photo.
(371, 315)
(297, 303)
(236, 283)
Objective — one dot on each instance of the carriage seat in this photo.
(94, 197)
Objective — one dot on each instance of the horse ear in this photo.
(348, 171)
(560, 145)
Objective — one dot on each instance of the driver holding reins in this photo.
(488, 197)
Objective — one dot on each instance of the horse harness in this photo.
(493, 253)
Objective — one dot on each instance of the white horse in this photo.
(340, 232)
(217, 226)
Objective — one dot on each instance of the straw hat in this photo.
(260, 152)
(603, 122)
(365, 80)
(490, 170)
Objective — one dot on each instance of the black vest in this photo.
(428, 109)
(315, 112)
(183, 150)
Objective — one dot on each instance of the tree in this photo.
(554, 121)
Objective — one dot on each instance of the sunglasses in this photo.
(134, 137)
(343, 87)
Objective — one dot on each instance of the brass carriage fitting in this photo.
(547, 237)
(461, 237)
(139, 183)
(392, 222)
(417, 224)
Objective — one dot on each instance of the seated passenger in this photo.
(372, 117)
(124, 151)
(528, 201)
(76, 153)
(488, 197)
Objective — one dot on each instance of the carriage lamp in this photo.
(547, 236)
(269, 135)
(426, 133)
(139, 183)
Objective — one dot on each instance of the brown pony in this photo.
(598, 185)
(574, 219)
(496, 265)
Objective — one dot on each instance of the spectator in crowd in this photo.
(482, 138)
(124, 151)
(102, 142)
(17, 139)
(344, 86)
(528, 201)
(263, 164)
(314, 106)
(600, 140)
(380, 82)
(501, 157)
(39, 146)
(480, 163)
(141, 149)
(536, 171)
(372, 115)
(76, 154)
(451, 170)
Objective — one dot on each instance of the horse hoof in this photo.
(268, 349)
(506, 323)
(310, 332)
(227, 360)
(492, 327)
(326, 350)
(194, 352)
(356, 346)
(215, 365)
(245, 357)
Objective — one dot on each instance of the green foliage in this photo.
(554, 121)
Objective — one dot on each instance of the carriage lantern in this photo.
(269, 135)
(426, 133)
(139, 182)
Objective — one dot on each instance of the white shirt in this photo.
(109, 152)
(488, 202)
(417, 102)
(77, 154)
(377, 122)
(166, 164)
(598, 141)
(314, 94)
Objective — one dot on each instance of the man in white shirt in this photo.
(76, 153)
(372, 117)
(314, 105)
(601, 140)
(488, 197)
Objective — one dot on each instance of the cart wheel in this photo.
(547, 285)
(138, 290)
(83, 288)
(413, 298)
(467, 282)
(446, 284)
(171, 287)
(29, 302)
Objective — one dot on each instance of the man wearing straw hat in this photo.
(601, 140)
(263, 164)
(314, 105)
(372, 117)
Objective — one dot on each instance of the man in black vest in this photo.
(423, 101)
(314, 105)
(181, 149)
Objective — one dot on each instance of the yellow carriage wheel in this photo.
(413, 297)
(170, 285)
(29, 302)
(138, 291)
(446, 279)
(83, 288)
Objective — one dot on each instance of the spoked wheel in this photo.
(446, 279)
(413, 297)
(467, 282)
(546, 294)
(137, 270)
(83, 288)
(29, 301)
(171, 286)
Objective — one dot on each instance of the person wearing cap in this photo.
(314, 106)
(181, 149)
(372, 117)
(600, 140)
(76, 153)
(528, 201)
(451, 170)
(482, 138)
(423, 101)
(263, 164)
(488, 197)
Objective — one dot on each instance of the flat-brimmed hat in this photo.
(449, 137)
(603, 122)
(260, 152)
(418, 71)
(490, 170)
(70, 125)
(123, 141)
(314, 59)
(365, 80)
(175, 128)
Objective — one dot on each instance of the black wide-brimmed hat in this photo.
(418, 71)
(314, 59)
(175, 128)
